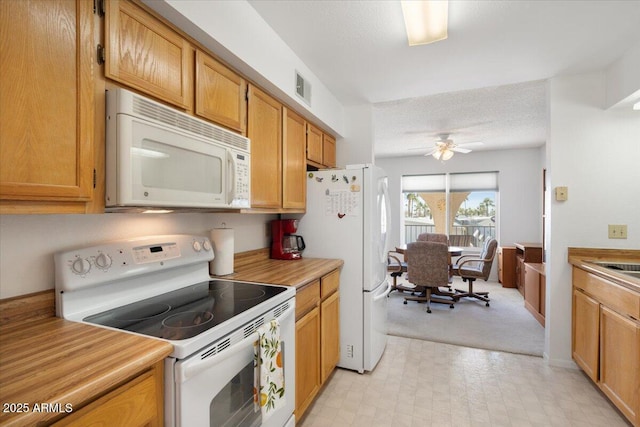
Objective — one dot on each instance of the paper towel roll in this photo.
(222, 241)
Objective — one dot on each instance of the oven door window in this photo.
(233, 405)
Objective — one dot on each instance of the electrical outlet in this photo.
(617, 231)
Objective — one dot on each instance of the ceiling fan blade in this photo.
(475, 143)
(430, 152)
(460, 150)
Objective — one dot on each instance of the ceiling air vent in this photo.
(303, 89)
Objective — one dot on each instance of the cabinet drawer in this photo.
(330, 283)
(133, 404)
(619, 298)
(307, 298)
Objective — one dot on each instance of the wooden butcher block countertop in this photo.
(55, 361)
(256, 266)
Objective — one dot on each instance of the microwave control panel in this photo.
(242, 196)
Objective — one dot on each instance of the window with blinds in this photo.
(462, 205)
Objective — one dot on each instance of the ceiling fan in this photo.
(445, 147)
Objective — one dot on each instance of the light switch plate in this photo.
(562, 194)
(617, 231)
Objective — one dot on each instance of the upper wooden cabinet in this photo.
(294, 166)
(145, 54)
(220, 94)
(264, 129)
(47, 106)
(314, 144)
(328, 150)
(321, 148)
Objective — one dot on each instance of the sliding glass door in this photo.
(461, 205)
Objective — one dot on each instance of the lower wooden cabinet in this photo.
(507, 266)
(606, 339)
(586, 325)
(620, 362)
(137, 403)
(535, 290)
(317, 337)
(307, 360)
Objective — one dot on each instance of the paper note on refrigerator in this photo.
(342, 202)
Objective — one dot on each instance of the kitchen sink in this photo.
(629, 268)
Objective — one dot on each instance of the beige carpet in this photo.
(504, 326)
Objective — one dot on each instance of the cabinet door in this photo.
(329, 334)
(532, 288)
(328, 151)
(137, 403)
(145, 54)
(307, 360)
(586, 325)
(294, 165)
(620, 362)
(264, 128)
(314, 144)
(47, 104)
(507, 266)
(220, 94)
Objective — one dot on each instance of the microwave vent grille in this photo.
(171, 117)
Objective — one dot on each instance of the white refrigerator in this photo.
(347, 218)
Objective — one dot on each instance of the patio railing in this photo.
(411, 233)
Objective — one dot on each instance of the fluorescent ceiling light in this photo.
(425, 20)
(636, 106)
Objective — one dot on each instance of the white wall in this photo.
(520, 186)
(29, 241)
(357, 145)
(596, 154)
(623, 79)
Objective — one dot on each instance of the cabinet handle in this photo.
(100, 54)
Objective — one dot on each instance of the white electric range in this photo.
(160, 287)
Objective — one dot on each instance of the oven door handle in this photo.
(195, 366)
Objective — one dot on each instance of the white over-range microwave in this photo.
(159, 157)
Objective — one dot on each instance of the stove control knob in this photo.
(197, 246)
(103, 261)
(81, 266)
(206, 245)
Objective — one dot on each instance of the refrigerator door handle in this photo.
(386, 292)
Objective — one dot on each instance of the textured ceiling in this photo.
(358, 49)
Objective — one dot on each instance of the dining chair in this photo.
(428, 269)
(396, 267)
(433, 237)
(471, 267)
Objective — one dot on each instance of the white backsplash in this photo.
(28, 242)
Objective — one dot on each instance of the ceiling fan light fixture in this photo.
(425, 20)
(443, 154)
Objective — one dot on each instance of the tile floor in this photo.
(422, 383)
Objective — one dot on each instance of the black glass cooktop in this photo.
(186, 312)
